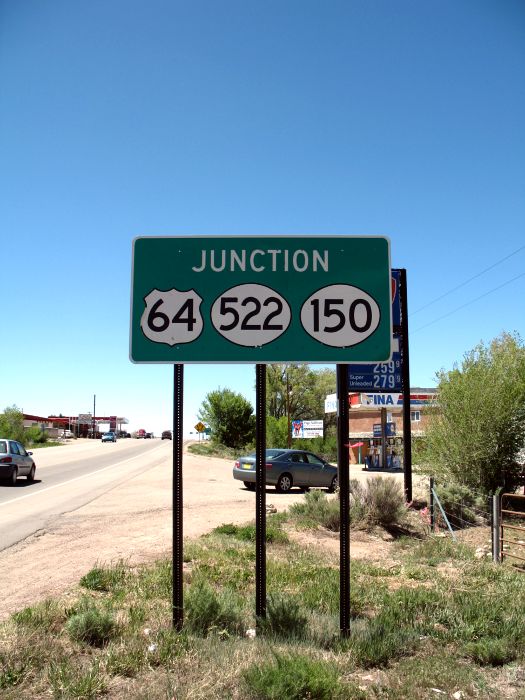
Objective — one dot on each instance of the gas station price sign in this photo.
(261, 299)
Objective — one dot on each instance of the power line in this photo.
(454, 289)
(468, 303)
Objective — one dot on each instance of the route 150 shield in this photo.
(172, 316)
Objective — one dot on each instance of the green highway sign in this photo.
(261, 299)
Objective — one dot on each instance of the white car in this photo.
(15, 461)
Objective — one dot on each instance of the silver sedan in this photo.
(15, 461)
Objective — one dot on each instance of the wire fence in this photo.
(450, 513)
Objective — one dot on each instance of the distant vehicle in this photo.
(148, 436)
(109, 437)
(166, 435)
(68, 434)
(15, 461)
(123, 434)
(287, 468)
(141, 433)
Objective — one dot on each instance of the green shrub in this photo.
(35, 436)
(317, 509)
(75, 682)
(104, 579)
(247, 533)
(207, 609)
(385, 502)
(294, 677)
(491, 652)
(284, 617)
(92, 626)
(381, 640)
(378, 502)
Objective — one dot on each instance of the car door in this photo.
(17, 457)
(299, 468)
(316, 472)
(25, 460)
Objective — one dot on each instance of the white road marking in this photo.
(77, 478)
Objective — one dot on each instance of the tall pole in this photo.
(343, 475)
(260, 491)
(178, 394)
(407, 428)
(288, 408)
(94, 414)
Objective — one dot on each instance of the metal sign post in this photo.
(260, 492)
(177, 505)
(343, 476)
(407, 428)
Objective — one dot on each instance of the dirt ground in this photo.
(133, 522)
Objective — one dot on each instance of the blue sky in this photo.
(122, 119)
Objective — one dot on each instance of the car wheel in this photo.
(14, 477)
(334, 485)
(31, 475)
(284, 483)
(249, 485)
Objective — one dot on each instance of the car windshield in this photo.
(3, 447)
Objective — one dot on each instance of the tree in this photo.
(477, 428)
(12, 423)
(297, 390)
(230, 417)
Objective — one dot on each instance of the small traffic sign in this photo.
(261, 299)
(200, 427)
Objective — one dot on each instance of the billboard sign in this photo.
(261, 299)
(307, 428)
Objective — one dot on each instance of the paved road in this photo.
(70, 476)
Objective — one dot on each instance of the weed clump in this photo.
(294, 677)
(208, 610)
(92, 626)
(284, 617)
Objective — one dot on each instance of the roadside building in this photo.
(369, 411)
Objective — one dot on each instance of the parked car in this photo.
(109, 437)
(67, 435)
(166, 435)
(15, 461)
(287, 468)
(148, 436)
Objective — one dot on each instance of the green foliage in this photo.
(284, 617)
(491, 652)
(294, 677)
(246, 533)
(478, 428)
(12, 424)
(317, 509)
(381, 640)
(35, 436)
(92, 626)
(297, 390)
(378, 502)
(277, 431)
(230, 417)
(104, 579)
(76, 682)
(210, 610)
(461, 505)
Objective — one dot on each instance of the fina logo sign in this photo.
(375, 400)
